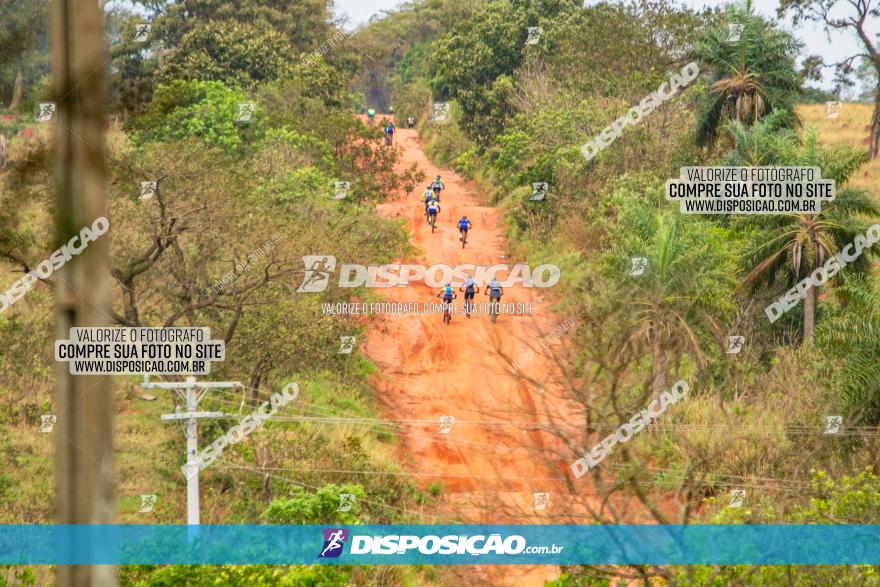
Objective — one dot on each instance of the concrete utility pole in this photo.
(187, 392)
(84, 472)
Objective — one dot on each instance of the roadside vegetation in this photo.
(224, 190)
(753, 420)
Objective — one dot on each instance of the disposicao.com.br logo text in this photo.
(319, 269)
(476, 545)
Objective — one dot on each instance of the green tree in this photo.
(685, 293)
(236, 54)
(320, 507)
(199, 39)
(749, 78)
(303, 23)
(849, 499)
(132, 63)
(24, 47)
(473, 63)
(850, 337)
(786, 248)
(628, 47)
(868, 76)
(685, 296)
(206, 110)
(393, 50)
(467, 61)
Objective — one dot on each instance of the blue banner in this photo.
(441, 544)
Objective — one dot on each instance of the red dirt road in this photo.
(494, 459)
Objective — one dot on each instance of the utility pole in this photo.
(84, 471)
(187, 391)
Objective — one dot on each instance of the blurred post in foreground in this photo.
(84, 403)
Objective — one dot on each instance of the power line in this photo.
(347, 418)
(399, 423)
(378, 424)
(523, 425)
(402, 474)
(733, 480)
(773, 484)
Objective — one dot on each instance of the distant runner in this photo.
(389, 133)
(437, 186)
(494, 291)
(470, 288)
(432, 207)
(433, 210)
(448, 295)
(410, 122)
(427, 198)
(463, 226)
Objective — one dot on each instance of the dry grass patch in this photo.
(851, 127)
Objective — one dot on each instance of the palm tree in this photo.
(785, 249)
(850, 337)
(686, 293)
(749, 78)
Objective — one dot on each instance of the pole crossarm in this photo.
(192, 415)
(187, 391)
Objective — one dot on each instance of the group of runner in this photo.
(493, 289)
(470, 289)
(388, 127)
(431, 199)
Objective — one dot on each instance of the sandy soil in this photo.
(493, 460)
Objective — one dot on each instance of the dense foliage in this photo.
(519, 114)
